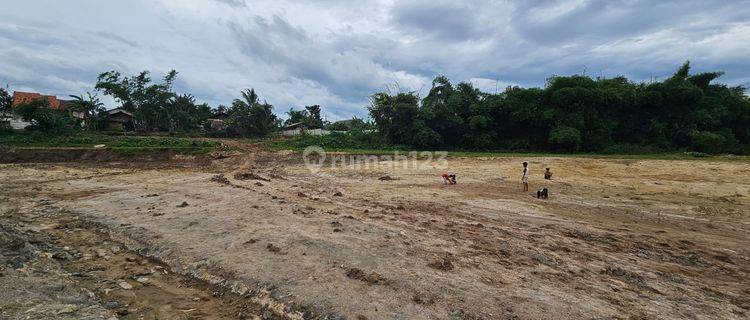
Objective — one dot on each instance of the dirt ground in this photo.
(261, 236)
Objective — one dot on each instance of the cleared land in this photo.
(618, 238)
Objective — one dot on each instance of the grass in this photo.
(676, 155)
(120, 144)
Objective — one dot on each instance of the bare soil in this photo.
(617, 239)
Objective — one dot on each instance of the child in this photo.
(525, 177)
(548, 175)
(449, 178)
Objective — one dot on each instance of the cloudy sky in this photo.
(337, 53)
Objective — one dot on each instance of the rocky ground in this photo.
(57, 266)
(261, 236)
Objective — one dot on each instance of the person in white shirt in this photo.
(525, 177)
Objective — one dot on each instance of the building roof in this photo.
(118, 110)
(20, 97)
(294, 125)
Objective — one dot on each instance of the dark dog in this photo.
(542, 194)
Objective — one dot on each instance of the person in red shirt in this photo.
(449, 178)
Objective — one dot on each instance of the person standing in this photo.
(525, 177)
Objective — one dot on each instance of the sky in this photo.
(337, 53)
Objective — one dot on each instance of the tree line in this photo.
(572, 113)
(156, 107)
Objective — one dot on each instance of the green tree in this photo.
(314, 119)
(149, 102)
(249, 117)
(219, 110)
(572, 113)
(397, 119)
(310, 117)
(566, 138)
(184, 114)
(296, 116)
(43, 118)
(351, 124)
(6, 101)
(90, 106)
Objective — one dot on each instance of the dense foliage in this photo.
(156, 107)
(92, 109)
(249, 117)
(45, 119)
(574, 113)
(114, 143)
(310, 117)
(353, 139)
(351, 124)
(6, 101)
(149, 102)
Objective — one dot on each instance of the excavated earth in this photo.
(260, 235)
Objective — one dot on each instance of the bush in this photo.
(708, 142)
(115, 143)
(696, 154)
(44, 119)
(424, 137)
(627, 148)
(354, 139)
(5, 128)
(565, 137)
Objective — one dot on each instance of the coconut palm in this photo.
(89, 106)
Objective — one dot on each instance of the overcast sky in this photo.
(337, 53)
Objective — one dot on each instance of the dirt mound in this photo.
(444, 264)
(220, 178)
(371, 278)
(248, 175)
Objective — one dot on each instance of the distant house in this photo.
(20, 98)
(216, 122)
(299, 128)
(120, 120)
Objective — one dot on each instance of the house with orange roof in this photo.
(20, 97)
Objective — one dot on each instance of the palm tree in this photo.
(249, 116)
(251, 98)
(88, 105)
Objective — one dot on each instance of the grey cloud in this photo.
(605, 20)
(349, 72)
(234, 3)
(337, 53)
(450, 20)
(117, 38)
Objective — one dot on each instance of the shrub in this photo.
(565, 137)
(354, 139)
(627, 148)
(708, 142)
(44, 119)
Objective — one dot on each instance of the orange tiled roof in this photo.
(26, 97)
